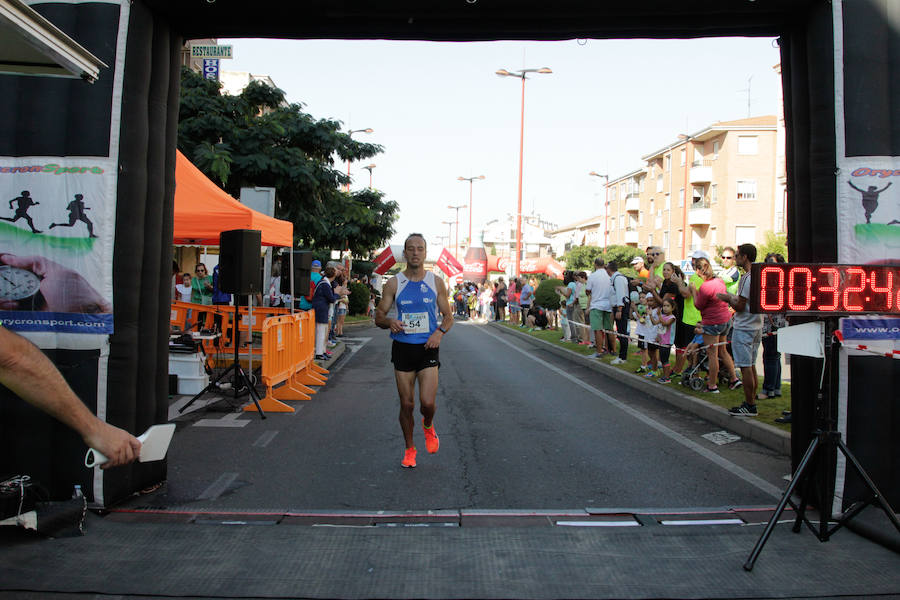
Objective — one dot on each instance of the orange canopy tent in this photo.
(203, 210)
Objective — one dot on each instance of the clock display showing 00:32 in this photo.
(824, 288)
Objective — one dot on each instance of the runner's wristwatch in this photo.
(442, 330)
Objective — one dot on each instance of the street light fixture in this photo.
(470, 180)
(370, 168)
(449, 225)
(350, 134)
(605, 205)
(456, 244)
(523, 75)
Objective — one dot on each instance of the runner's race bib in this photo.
(416, 323)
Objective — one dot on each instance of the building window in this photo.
(680, 197)
(665, 243)
(621, 221)
(716, 149)
(668, 162)
(641, 218)
(650, 240)
(714, 193)
(642, 184)
(651, 206)
(680, 237)
(613, 193)
(659, 183)
(746, 189)
(658, 221)
(748, 144)
(744, 234)
(668, 202)
(712, 237)
(683, 156)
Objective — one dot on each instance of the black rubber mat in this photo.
(279, 561)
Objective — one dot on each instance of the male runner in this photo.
(409, 308)
(23, 203)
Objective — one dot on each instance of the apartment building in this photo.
(723, 185)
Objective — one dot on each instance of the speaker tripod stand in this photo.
(240, 376)
(820, 459)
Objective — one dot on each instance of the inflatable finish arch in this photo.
(841, 90)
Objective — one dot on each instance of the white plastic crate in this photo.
(186, 365)
(188, 386)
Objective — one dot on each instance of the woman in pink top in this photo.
(716, 319)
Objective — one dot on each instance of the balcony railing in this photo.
(633, 204)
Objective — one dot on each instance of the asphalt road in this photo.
(520, 428)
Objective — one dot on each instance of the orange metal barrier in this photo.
(288, 348)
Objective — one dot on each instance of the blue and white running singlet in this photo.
(416, 306)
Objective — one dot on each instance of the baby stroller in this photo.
(695, 377)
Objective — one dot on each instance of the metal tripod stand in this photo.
(824, 447)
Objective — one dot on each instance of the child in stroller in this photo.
(696, 371)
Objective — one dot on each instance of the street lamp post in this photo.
(370, 168)
(350, 134)
(456, 245)
(449, 225)
(605, 205)
(470, 180)
(523, 75)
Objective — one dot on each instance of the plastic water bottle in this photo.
(77, 493)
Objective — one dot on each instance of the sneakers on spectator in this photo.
(744, 410)
(409, 458)
(650, 374)
(664, 380)
(710, 390)
(735, 385)
(321, 357)
(432, 442)
(616, 361)
(640, 369)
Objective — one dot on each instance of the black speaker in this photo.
(239, 264)
(302, 270)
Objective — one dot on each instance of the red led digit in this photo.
(832, 289)
(804, 290)
(854, 289)
(766, 288)
(888, 288)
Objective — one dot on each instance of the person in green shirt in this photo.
(202, 286)
(684, 330)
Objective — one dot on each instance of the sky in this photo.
(440, 112)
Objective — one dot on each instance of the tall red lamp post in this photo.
(523, 75)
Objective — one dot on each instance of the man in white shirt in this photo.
(621, 309)
(598, 289)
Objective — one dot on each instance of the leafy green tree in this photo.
(257, 139)
(775, 242)
(359, 298)
(545, 295)
(581, 258)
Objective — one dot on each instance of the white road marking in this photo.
(229, 420)
(729, 466)
(218, 487)
(264, 439)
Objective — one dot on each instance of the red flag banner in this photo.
(384, 261)
(448, 264)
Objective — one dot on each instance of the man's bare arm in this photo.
(29, 374)
(384, 306)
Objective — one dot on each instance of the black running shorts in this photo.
(413, 357)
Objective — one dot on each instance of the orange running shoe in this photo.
(409, 458)
(432, 442)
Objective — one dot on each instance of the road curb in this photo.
(748, 428)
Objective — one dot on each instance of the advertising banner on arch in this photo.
(56, 222)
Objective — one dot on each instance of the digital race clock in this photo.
(825, 289)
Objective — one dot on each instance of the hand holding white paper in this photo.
(154, 445)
